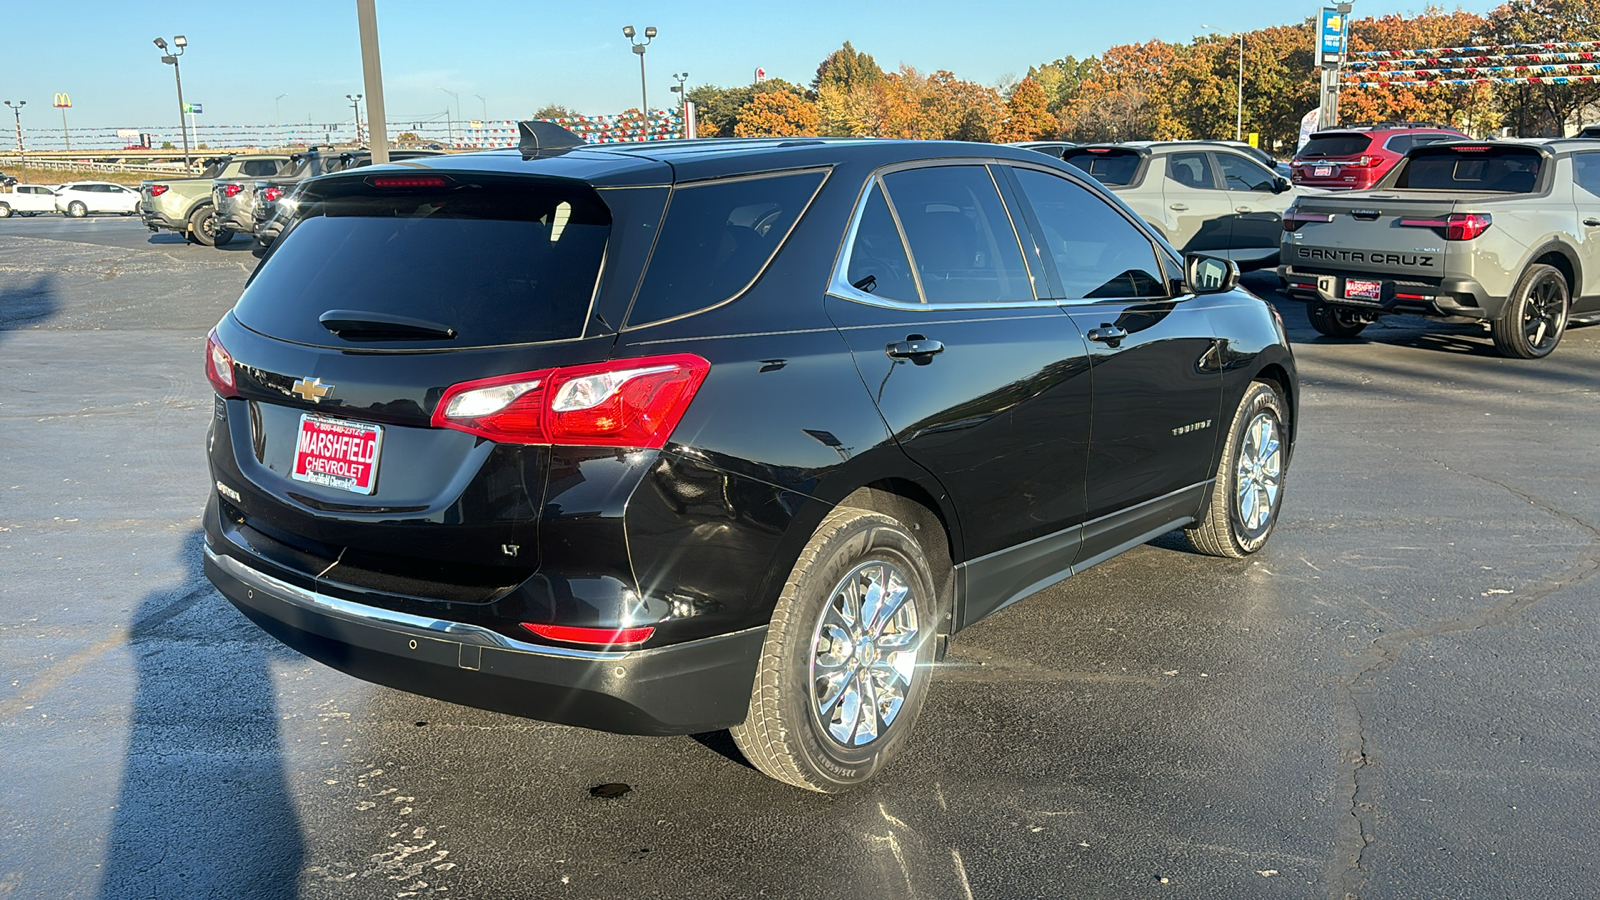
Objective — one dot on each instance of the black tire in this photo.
(77, 210)
(785, 734)
(223, 237)
(5, 211)
(1535, 315)
(1224, 529)
(1333, 321)
(203, 226)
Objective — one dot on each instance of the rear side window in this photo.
(1511, 170)
(1112, 167)
(1191, 170)
(962, 242)
(1327, 145)
(1097, 252)
(878, 262)
(257, 168)
(1586, 172)
(1241, 174)
(506, 261)
(717, 236)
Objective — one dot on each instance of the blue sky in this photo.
(519, 56)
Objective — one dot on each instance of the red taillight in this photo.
(1293, 219)
(157, 190)
(1456, 226)
(1363, 162)
(408, 181)
(219, 367)
(607, 637)
(232, 190)
(272, 194)
(621, 403)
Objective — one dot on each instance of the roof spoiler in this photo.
(537, 135)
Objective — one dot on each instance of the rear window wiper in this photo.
(355, 323)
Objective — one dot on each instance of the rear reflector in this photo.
(599, 637)
(408, 181)
(622, 403)
(219, 367)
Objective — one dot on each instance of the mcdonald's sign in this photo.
(63, 101)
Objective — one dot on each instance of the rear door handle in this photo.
(914, 347)
(1592, 222)
(1180, 207)
(1243, 209)
(1108, 334)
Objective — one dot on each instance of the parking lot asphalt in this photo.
(1396, 698)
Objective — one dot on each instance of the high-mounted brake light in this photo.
(1098, 149)
(604, 637)
(219, 367)
(272, 194)
(157, 190)
(1456, 226)
(232, 190)
(408, 181)
(1472, 149)
(621, 403)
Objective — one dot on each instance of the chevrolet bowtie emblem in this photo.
(313, 390)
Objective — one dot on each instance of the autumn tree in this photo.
(717, 108)
(1544, 109)
(555, 111)
(778, 114)
(1028, 115)
(1447, 104)
(848, 69)
(1127, 96)
(1060, 79)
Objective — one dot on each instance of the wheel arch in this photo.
(913, 506)
(1275, 374)
(1557, 253)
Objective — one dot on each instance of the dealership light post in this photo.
(1238, 128)
(355, 104)
(447, 124)
(179, 44)
(16, 109)
(683, 98)
(638, 47)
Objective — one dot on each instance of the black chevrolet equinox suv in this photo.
(731, 434)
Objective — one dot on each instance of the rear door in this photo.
(1586, 201)
(1157, 381)
(1257, 207)
(996, 403)
(1199, 214)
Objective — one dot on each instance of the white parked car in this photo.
(27, 200)
(80, 198)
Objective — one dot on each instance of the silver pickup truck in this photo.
(1500, 231)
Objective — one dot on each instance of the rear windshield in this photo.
(1511, 170)
(1326, 145)
(1114, 167)
(504, 261)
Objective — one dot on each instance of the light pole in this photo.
(179, 44)
(355, 104)
(683, 98)
(1238, 129)
(16, 109)
(638, 47)
(485, 106)
(277, 110)
(449, 127)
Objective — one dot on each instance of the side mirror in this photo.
(1281, 184)
(1209, 274)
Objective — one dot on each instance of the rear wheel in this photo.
(5, 211)
(1249, 485)
(77, 210)
(1334, 321)
(203, 226)
(847, 659)
(1535, 316)
(223, 237)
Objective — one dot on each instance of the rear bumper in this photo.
(696, 686)
(1444, 297)
(157, 220)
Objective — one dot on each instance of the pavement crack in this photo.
(1386, 649)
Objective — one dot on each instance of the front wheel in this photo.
(203, 226)
(77, 210)
(847, 659)
(222, 238)
(1248, 490)
(1535, 315)
(5, 211)
(1334, 321)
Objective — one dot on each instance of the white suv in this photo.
(80, 198)
(28, 200)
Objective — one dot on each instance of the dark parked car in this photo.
(668, 438)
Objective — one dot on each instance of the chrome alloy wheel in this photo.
(1259, 473)
(864, 654)
(1545, 313)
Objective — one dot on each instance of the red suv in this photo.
(1356, 158)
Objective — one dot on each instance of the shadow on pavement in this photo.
(204, 809)
(29, 303)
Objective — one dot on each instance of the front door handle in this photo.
(1108, 334)
(915, 347)
(1180, 207)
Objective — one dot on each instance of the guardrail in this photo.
(155, 168)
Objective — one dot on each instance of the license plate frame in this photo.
(1361, 289)
(1322, 171)
(346, 461)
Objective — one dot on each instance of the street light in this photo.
(16, 109)
(179, 43)
(683, 98)
(638, 47)
(1238, 132)
(485, 106)
(277, 110)
(449, 127)
(355, 104)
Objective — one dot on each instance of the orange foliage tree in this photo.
(1028, 115)
(778, 114)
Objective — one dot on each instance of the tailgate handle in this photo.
(1365, 215)
(1180, 207)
